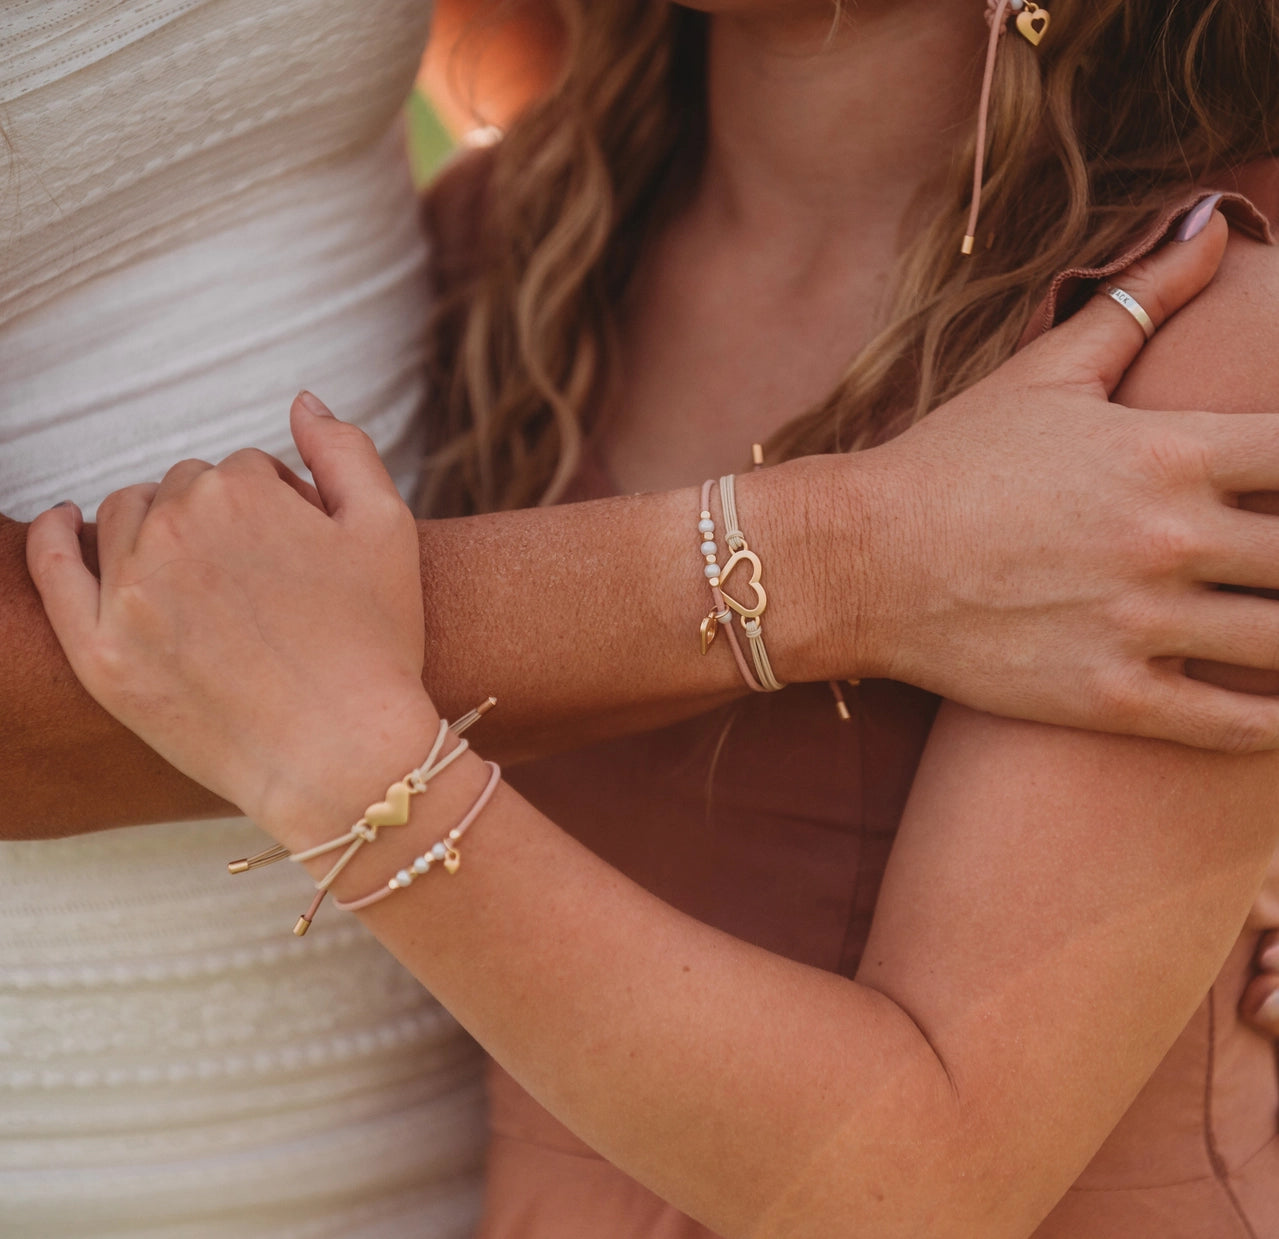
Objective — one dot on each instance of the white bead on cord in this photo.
(422, 865)
(709, 549)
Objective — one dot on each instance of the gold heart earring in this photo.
(1032, 23)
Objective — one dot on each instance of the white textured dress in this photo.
(204, 207)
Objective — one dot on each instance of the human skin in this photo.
(1089, 623)
(986, 1049)
(845, 613)
(1020, 983)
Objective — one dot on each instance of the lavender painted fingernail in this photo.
(66, 503)
(1197, 220)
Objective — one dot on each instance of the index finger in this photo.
(69, 591)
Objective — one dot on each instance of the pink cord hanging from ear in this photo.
(997, 16)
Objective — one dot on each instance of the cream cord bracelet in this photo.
(391, 811)
(762, 680)
(721, 615)
(751, 616)
(444, 852)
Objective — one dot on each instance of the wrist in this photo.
(431, 815)
(346, 766)
(820, 519)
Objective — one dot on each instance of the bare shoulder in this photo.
(1221, 351)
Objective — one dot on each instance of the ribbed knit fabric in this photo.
(203, 207)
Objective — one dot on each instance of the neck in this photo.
(827, 135)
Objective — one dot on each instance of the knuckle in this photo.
(1170, 545)
(388, 508)
(1120, 698)
(109, 507)
(1173, 455)
(1133, 617)
(251, 457)
(106, 662)
(164, 525)
(216, 487)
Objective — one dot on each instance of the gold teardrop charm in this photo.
(452, 860)
(1032, 22)
(710, 626)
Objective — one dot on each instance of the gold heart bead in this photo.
(1032, 22)
(761, 599)
(393, 811)
(452, 860)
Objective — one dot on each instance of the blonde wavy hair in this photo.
(1124, 101)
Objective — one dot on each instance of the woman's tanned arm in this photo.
(536, 608)
(583, 619)
(66, 765)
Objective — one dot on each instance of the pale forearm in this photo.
(675, 1050)
(671, 1047)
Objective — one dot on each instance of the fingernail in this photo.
(313, 405)
(1197, 220)
(66, 503)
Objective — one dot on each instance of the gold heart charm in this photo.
(710, 626)
(761, 598)
(393, 811)
(452, 860)
(1032, 21)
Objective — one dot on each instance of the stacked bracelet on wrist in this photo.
(393, 810)
(444, 852)
(762, 679)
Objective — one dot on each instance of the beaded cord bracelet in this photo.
(762, 680)
(393, 810)
(722, 613)
(444, 852)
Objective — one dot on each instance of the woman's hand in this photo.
(1053, 556)
(246, 626)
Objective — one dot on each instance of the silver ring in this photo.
(1133, 306)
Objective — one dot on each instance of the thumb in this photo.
(347, 470)
(1100, 342)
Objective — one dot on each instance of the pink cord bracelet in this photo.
(444, 852)
(721, 616)
(392, 811)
